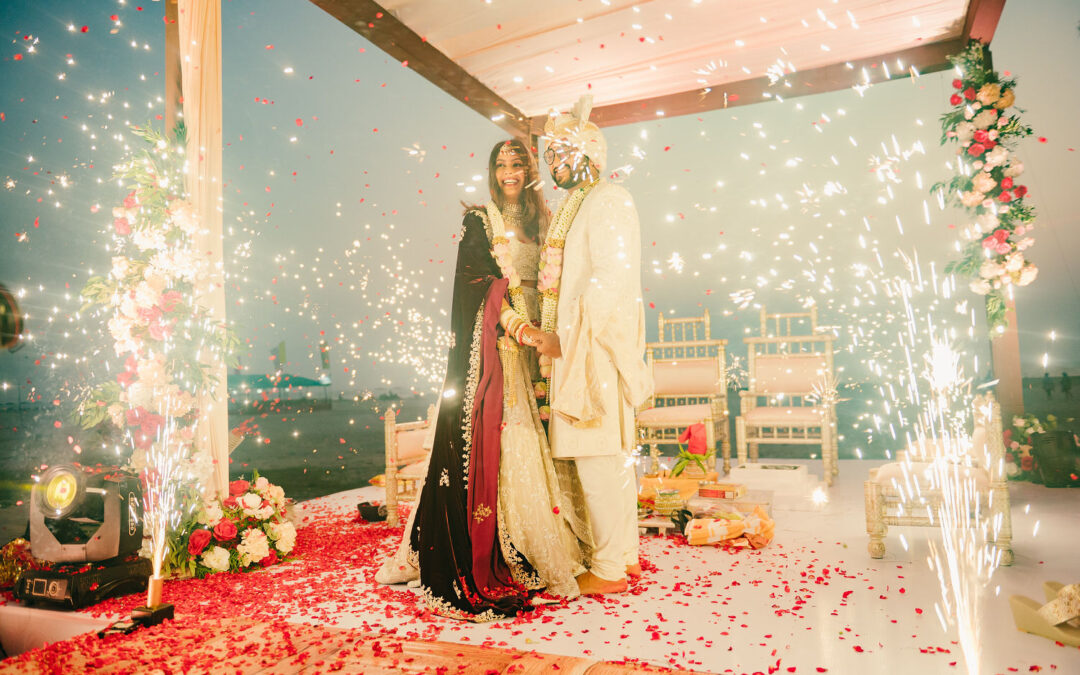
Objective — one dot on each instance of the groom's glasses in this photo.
(560, 151)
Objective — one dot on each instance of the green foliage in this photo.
(683, 460)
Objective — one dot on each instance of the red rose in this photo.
(955, 99)
(1010, 458)
(981, 137)
(121, 226)
(1004, 197)
(225, 530)
(1007, 436)
(1027, 463)
(230, 503)
(1020, 191)
(238, 487)
(989, 144)
(197, 541)
(969, 94)
(976, 149)
(125, 378)
(130, 201)
(958, 84)
(134, 414)
(270, 559)
(1006, 183)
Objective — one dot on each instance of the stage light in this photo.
(80, 514)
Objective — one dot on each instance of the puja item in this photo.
(721, 490)
(668, 500)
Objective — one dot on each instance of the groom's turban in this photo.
(575, 129)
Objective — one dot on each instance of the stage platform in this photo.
(812, 601)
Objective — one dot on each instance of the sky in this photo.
(344, 172)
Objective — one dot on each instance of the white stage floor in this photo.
(812, 601)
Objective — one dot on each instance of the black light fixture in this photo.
(82, 515)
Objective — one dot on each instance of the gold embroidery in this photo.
(516, 562)
(444, 608)
(444, 478)
(481, 512)
(472, 381)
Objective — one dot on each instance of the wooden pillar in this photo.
(1005, 352)
(173, 77)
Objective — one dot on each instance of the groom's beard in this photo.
(569, 178)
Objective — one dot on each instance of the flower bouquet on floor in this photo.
(248, 530)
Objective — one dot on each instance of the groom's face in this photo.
(568, 166)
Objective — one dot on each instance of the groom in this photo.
(595, 340)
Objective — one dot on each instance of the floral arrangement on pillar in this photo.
(161, 335)
(986, 126)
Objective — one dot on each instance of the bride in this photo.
(493, 525)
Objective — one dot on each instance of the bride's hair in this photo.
(534, 215)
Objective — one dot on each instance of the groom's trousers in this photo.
(610, 488)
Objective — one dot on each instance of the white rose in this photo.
(261, 484)
(211, 514)
(284, 535)
(985, 119)
(980, 286)
(128, 307)
(997, 156)
(119, 267)
(254, 546)
(1014, 169)
(987, 221)
(251, 501)
(1024, 243)
(1027, 275)
(216, 558)
(989, 270)
(965, 131)
(1014, 263)
(140, 395)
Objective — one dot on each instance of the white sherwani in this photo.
(602, 377)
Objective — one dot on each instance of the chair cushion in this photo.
(410, 445)
(691, 377)
(414, 471)
(674, 415)
(792, 373)
(922, 474)
(800, 416)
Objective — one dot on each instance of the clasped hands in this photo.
(545, 343)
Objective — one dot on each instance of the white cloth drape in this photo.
(199, 24)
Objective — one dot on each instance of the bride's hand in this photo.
(547, 344)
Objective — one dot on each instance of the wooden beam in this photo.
(927, 58)
(982, 20)
(392, 36)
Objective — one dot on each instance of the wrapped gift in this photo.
(757, 529)
(721, 490)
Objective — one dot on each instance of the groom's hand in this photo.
(548, 345)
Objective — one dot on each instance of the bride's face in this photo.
(510, 172)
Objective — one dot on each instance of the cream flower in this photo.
(283, 534)
(211, 513)
(1027, 275)
(120, 267)
(216, 558)
(1014, 169)
(1014, 263)
(985, 119)
(989, 93)
(984, 182)
(1008, 97)
(254, 546)
(979, 286)
(250, 501)
(965, 131)
(989, 270)
(971, 199)
(996, 157)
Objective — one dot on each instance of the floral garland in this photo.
(986, 184)
(153, 318)
(500, 250)
(247, 530)
(551, 258)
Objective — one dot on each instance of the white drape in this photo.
(199, 23)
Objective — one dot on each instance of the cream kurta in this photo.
(601, 377)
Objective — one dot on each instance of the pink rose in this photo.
(169, 300)
(121, 226)
(130, 201)
(197, 541)
(225, 530)
(238, 487)
(1004, 197)
(981, 136)
(133, 415)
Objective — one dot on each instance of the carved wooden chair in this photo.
(790, 398)
(408, 450)
(909, 491)
(690, 386)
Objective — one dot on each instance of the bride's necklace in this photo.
(500, 250)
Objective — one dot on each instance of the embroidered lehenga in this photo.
(492, 526)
